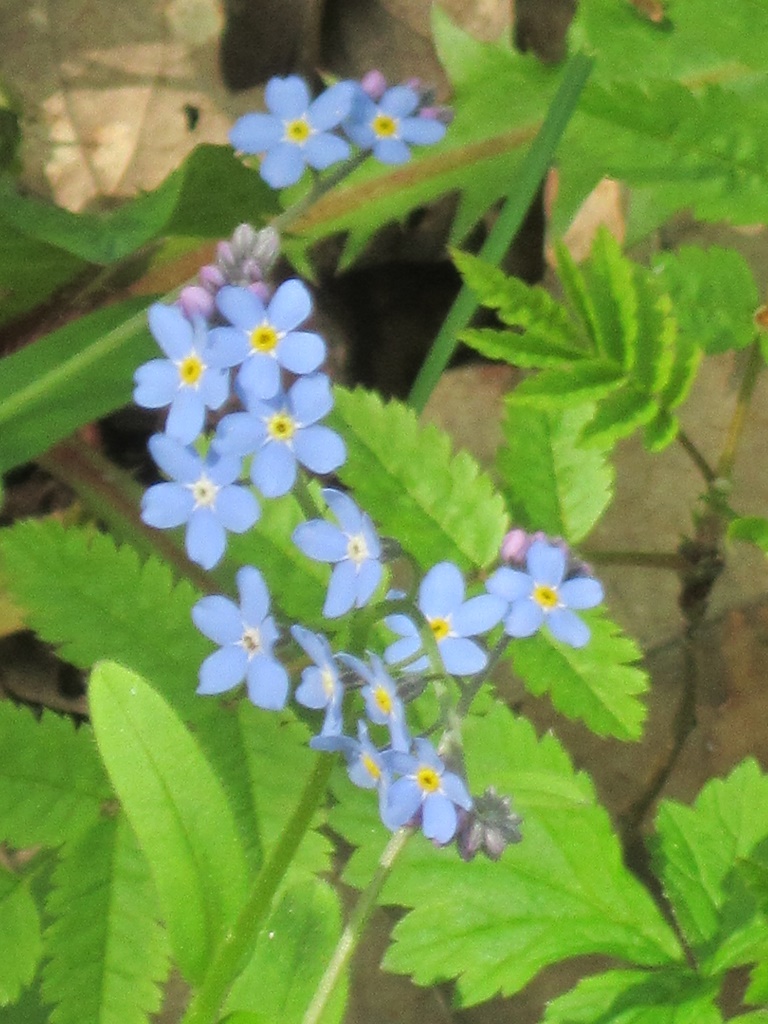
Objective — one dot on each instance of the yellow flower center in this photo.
(440, 628)
(327, 680)
(371, 767)
(191, 370)
(383, 700)
(204, 492)
(297, 131)
(281, 427)
(545, 596)
(428, 779)
(357, 549)
(251, 641)
(264, 338)
(384, 126)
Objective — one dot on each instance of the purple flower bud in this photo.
(514, 546)
(490, 826)
(374, 84)
(196, 301)
(211, 277)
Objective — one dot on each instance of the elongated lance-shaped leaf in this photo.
(52, 784)
(177, 808)
(676, 996)
(70, 377)
(20, 938)
(106, 952)
(699, 853)
(438, 505)
(563, 891)
(599, 683)
(549, 481)
(291, 953)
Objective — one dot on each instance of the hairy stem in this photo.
(738, 420)
(696, 457)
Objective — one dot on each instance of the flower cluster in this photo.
(241, 379)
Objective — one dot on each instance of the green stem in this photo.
(640, 559)
(354, 928)
(739, 418)
(319, 187)
(238, 942)
(534, 167)
(696, 457)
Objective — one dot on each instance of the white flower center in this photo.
(204, 492)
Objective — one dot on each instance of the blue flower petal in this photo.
(332, 106)
(368, 578)
(546, 563)
(320, 449)
(254, 596)
(214, 388)
(439, 818)
(267, 683)
(402, 650)
(478, 615)
(441, 590)
(324, 150)
(455, 790)
(581, 592)
(166, 505)
(402, 624)
(174, 459)
(510, 584)
(273, 469)
(228, 347)
(287, 97)
(462, 657)
(403, 801)
(391, 151)
(218, 618)
(524, 619)
(171, 330)
(255, 133)
(313, 644)
(345, 509)
(205, 540)
(222, 670)
(237, 509)
(399, 101)
(320, 540)
(239, 433)
(241, 307)
(283, 165)
(290, 305)
(186, 416)
(301, 351)
(312, 398)
(259, 376)
(310, 692)
(565, 625)
(156, 384)
(421, 131)
(341, 590)
(224, 469)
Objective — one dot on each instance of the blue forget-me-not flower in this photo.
(246, 635)
(296, 133)
(353, 546)
(541, 596)
(203, 494)
(426, 790)
(382, 702)
(320, 685)
(452, 621)
(265, 337)
(366, 765)
(388, 126)
(192, 379)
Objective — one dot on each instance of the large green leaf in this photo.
(20, 938)
(552, 483)
(52, 785)
(599, 683)
(438, 505)
(563, 891)
(290, 956)
(700, 851)
(177, 808)
(106, 952)
(70, 377)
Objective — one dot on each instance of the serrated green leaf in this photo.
(549, 481)
(70, 377)
(561, 892)
(714, 295)
(584, 382)
(577, 293)
(752, 529)
(290, 956)
(106, 953)
(699, 851)
(755, 1017)
(674, 996)
(598, 683)
(176, 807)
(661, 431)
(20, 938)
(612, 292)
(618, 416)
(656, 334)
(438, 505)
(523, 350)
(52, 785)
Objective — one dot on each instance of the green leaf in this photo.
(675, 996)
(438, 505)
(618, 416)
(290, 956)
(52, 785)
(752, 529)
(232, 194)
(176, 807)
(699, 851)
(549, 481)
(614, 300)
(31, 272)
(598, 683)
(713, 293)
(563, 891)
(70, 377)
(107, 954)
(20, 938)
